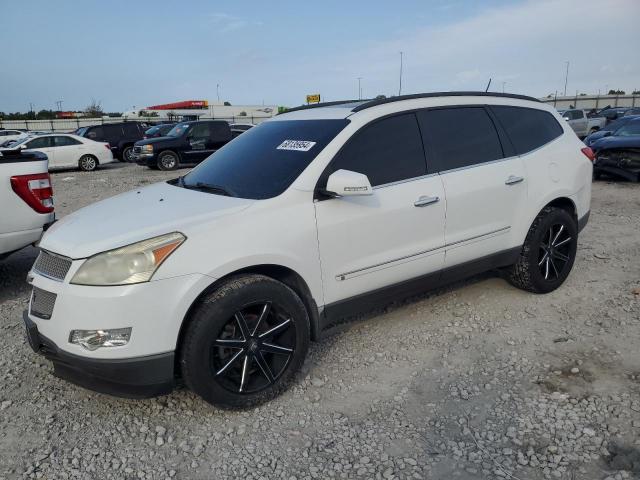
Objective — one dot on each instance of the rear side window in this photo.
(528, 128)
(386, 151)
(459, 137)
(64, 141)
(131, 130)
(42, 142)
(220, 131)
(95, 134)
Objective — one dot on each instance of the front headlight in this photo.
(134, 263)
(147, 148)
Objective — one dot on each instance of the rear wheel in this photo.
(127, 154)
(87, 163)
(548, 253)
(244, 342)
(167, 161)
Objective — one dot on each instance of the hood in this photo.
(152, 140)
(632, 141)
(134, 216)
(590, 140)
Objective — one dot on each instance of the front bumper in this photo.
(141, 377)
(145, 159)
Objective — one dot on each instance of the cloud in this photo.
(525, 45)
(228, 23)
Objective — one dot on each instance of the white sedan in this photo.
(67, 150)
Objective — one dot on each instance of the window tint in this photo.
(528, 128)
(112, 131)
(386, 151)
(200, 131)
(265, 160)
(64, 141)
(459, 137)
(95, 134)
(42, 142)
(131, 130)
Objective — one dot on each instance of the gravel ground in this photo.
(478, 380)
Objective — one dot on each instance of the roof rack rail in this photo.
(319, 105)
(381, 101)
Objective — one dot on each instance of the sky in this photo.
(144, 52)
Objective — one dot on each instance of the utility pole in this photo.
(59, 105)
(218, 91)
(400, 88)
(359, 89)
(503, 84)
(566, 78)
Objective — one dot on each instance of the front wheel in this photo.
(167, 161)
(244, 342)
(87, 163)
(548, 253)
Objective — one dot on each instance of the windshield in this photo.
(178, 130)
(628, 130)
(265, 160)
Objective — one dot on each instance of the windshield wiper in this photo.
(208, 187)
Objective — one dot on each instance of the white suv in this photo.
(220, 278)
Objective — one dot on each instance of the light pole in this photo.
(503, 84)
(566, 78)
(400, 88)
(359, 89)
(218, 91)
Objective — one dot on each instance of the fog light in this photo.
(94, 339)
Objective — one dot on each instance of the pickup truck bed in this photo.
(26, 198)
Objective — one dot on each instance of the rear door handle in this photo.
(512, 180)
(423, 201)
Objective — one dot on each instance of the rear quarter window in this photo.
(528, 128)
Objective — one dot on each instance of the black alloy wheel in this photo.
(253, 348)
(548, 252)
(244, 341)
(555, 251)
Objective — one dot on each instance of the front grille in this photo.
(137, 149)
(52, 266)
(42, 303)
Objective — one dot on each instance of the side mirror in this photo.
(567, 118)
(23, 146)
(345, 183)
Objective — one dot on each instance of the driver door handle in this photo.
(512, 180)
(423, 201)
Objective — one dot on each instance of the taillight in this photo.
(588, 153)
(35, 190)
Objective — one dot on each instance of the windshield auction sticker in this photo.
(296, 145)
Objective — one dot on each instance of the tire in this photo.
(127, 154)
(232, 369)
(88, 163)
(541, 269)
(167, 160)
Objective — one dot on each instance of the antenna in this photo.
(488, 85)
